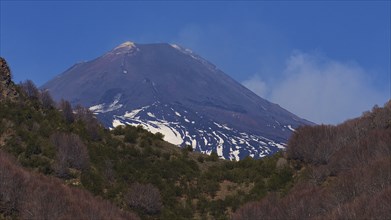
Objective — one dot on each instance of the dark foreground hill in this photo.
(171, 90)
(341, 172)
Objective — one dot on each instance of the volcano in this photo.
(169, 89)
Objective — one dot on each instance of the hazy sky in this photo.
(326, 61)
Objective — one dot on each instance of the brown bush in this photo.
(67, 111)
(34, 196)
(377, 206)
(30, 89)
(313, 144)
(70, 152)
(264, 209)
(46, 100)
(346, 175)
(91, 123)
(145, 197)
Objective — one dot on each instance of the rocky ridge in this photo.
(7, 86)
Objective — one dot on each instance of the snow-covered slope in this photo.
(171, 90)
(184, 127)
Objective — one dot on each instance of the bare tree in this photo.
(146, 197)
(91, 123)
(29, 88)
(11, 182)
(267, 208)
(70, 151)
(67, 111)
(46, 99)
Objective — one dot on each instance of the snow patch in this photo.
(151, 115)
(194, 143)
(170, 135)
(194, 56)
(126, 44)
(290, 128)
(219, 145)
(97, 108)
(222, 126)
(103, 108)
(176, 46)
(133, 113)
(117, 122)
(235, 155)
(280, 146)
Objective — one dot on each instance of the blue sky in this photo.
(326, 61)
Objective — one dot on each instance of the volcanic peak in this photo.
(127, 44)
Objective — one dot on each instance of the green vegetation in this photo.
(177, 183)
(59, 162)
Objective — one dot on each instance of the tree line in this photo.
(342, 172)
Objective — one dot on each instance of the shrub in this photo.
(200, 159)
(144, 197)
(67, 111)
(70, 152)
(131, 137)
(159, 136)
(213, 157)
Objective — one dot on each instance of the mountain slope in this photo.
(49, 157)
(171, 90)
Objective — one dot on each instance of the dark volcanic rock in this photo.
(171, 90)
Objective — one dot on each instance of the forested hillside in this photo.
(28, 195)
(57, 161)
(63, 150)
(341, 172)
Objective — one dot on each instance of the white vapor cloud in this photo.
(191, 35)
(321, 90)
(257, 85)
